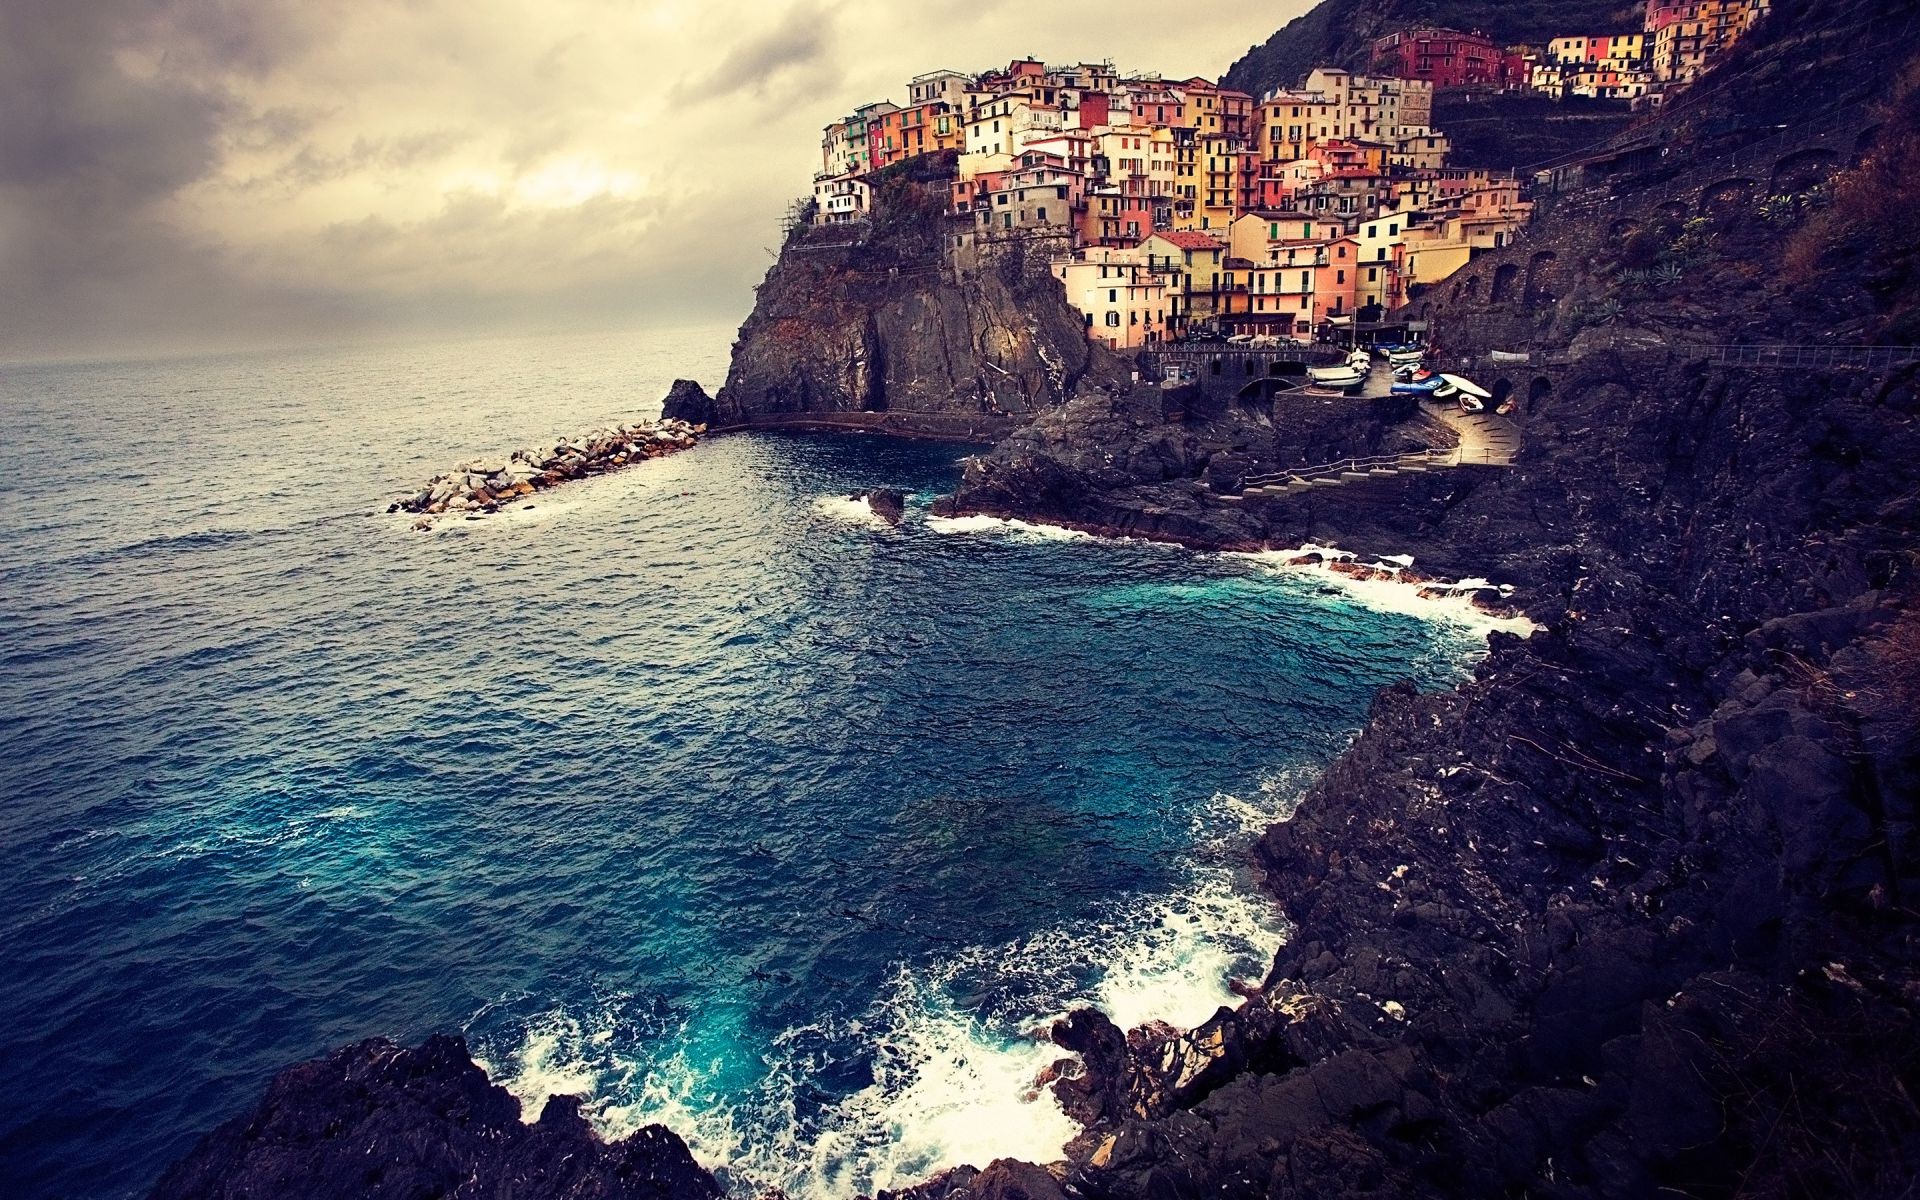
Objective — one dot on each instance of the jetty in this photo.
(476, 489)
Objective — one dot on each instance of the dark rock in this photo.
(688, 401)
(887, 504)
(376, 1120)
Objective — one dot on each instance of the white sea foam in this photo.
(1450, 603)
(1006, 525)
(855, 510)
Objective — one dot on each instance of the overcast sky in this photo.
(190, 174)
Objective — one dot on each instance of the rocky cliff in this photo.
(375, 1120)
(1631, 914)
(903, 324)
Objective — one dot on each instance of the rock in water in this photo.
(688, 401)
(376, 1120)
(887, 504)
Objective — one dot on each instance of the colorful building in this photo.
(1126, 304)
(1448, 58)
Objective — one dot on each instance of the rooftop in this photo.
(1187, 239)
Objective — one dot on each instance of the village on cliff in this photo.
(1182, 209)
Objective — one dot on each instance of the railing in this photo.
(1454, 457)
(1812, 356)
(1360, 466)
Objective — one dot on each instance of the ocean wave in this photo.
(851, 509)
(1444, 603)
(948, 1044)
(1007, 525)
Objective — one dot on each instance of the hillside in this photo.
(1341, 32)
(1499, 131)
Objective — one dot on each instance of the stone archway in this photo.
(1727, 198)
(1469, 289)
(1502, 393)
(1539, 392)
(1504, 277)
(1622, 229)
(1673, 211)
(1804, 171)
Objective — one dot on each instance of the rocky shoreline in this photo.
(1631, 912)
(485, 486)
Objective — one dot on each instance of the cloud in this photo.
(178, 174)
(755, 65)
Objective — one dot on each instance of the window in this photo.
(1340, 276)
(1113, 320)
(1113, 296)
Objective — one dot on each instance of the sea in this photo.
(696, 790)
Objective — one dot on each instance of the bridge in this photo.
(1227, 372)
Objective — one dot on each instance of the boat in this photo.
(1240, 339)
(1468, 387)
(1425, 387)
(1399, 350)
(1337, 377)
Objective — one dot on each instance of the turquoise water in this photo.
(694, 789)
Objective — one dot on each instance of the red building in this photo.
(1448, 58)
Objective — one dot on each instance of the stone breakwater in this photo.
(485, 486)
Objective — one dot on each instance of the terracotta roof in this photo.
(1186, 239)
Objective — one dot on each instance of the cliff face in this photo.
(1631, 913)
(856, 321)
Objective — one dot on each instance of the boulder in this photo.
(688, 401)
(887, 504)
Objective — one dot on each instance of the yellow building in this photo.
(1196, 262)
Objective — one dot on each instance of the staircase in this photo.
(1486, 440)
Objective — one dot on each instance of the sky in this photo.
(185, 175)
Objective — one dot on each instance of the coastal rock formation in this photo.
(376, 1120)
(1629, 914)
(887, 504)
(892, 325)
(488, 485)
(688, 403)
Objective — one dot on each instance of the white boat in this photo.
(1468, 387)
(1337, 377)
(1240, 339)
